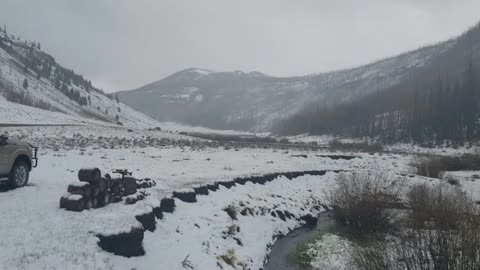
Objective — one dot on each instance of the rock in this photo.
(132, 199)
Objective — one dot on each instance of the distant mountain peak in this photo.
(206, 72)
(200, 71)
(253, 100)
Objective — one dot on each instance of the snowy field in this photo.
(324, 140)
(40, 235)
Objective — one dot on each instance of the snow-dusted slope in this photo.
(239, 100)
(13, 113)
(46, 102)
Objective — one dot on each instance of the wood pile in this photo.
(95, 191)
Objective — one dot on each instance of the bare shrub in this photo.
(429, 167)
(442, 231)
(438, 207)
(371, 257)
(433, 166)
(364, 202)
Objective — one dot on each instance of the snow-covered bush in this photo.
(326, 253)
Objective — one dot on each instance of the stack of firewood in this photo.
(145, 183)
(95, 191)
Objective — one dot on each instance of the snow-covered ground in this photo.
(202, 231)
(181, 127)
(324, 140)
(39, 235)
(13, 113)
(441, 151)
(100, 109)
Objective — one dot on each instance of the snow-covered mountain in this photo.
(35, 89)
(240, 100)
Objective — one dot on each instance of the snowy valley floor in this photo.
(37, 234)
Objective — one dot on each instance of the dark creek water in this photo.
(284, 248)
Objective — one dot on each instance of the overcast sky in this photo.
(123, 44)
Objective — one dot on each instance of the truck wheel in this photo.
(19, 175)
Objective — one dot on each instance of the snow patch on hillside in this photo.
(101, 109)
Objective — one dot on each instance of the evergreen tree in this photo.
(25, 83)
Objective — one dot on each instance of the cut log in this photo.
(111, 198)
(103, 199)
(63, 198)
(130, 185)
(72, 202)
(117, 188)
(103, 185)
(88, 203)
(117, 199)
(82, 188)
(94, 203)
(109, 183)
(95, 189)
(89, 175)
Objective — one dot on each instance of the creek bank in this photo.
(122, 244)
(284, 248)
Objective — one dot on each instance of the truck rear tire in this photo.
(19, 175)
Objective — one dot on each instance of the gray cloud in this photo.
(122, 44)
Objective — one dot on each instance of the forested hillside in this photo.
(435, 106)
(255, 101)
(29, 76)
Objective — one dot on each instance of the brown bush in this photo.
(364, 202)
(442, 231)
(433, 166)
(371, 257)
(438, 207)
